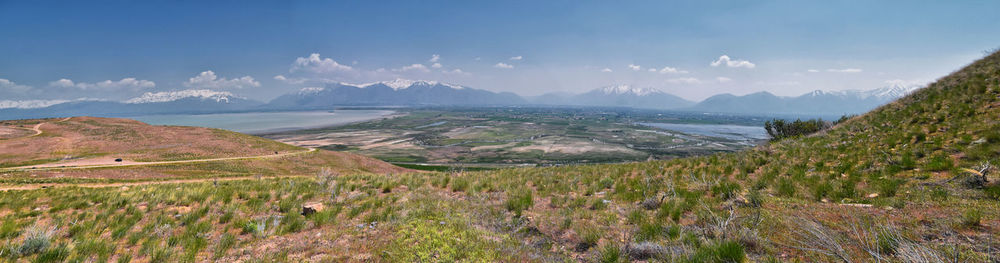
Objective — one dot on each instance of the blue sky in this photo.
(120, 49)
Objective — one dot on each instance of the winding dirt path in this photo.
(38, 130)
(26, 187)
(87, 164)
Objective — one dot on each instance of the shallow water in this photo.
(732, 132)
(261, 122)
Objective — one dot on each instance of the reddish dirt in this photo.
(89, 137)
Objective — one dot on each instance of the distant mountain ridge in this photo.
(401, 92)
(816, 102)
(617, 96)
(169, 102)
(395, 92)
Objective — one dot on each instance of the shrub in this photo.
(588, 239)
(725, 189)
(939, 162)
(225, 243)
(598, 204)
(779, 129)
(518, 201)
(37, 239)
(992, 191)
(755, 199)
(611, 253)
(821, 190)
(56, 254)
(972, 217)
(649, 231)
(460, 184)
(723, 252)
(785, 187)
(888, 187)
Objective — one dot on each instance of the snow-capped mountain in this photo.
(817, 102)
(168, 96)
(623, 89)
(887, 93)
(28, 104)
(617, 96)
(393, 92)
(398, 84)
(170, 102)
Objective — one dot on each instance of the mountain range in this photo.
(401, 92)
(813, 103)
(396, 92)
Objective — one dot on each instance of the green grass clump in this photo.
(518, 201)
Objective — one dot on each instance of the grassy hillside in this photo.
(907, 182)
(83, 138)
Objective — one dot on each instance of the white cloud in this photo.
(725, 60)
(651, 70)
(812, 70)
(7, 85)
(289, 80)
(634, 67)
(517, 58)
(107, 85)
(503, 65)
(413, 68)
(436, 65)
(901, 82)
(606, 70)
(434, 58)
(314, 63)
(666, 70)
(845, 70)
(684, 81)
(208, 80)
(779, 83)
(723, 79)
(455, 71)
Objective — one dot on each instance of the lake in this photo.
(263, 122)
(732, 132)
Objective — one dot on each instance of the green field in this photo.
(521, 136)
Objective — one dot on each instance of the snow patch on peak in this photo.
(28, 104)
(311, 90)
(398, 84)
(168, 96)
(628, 89)
(894, 90)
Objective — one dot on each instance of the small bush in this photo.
(649, 231)
(992, 191)
(724, 252)
(611, 254)
(37, 239)
(518, 201)
(56, 254)
(939, 162)
(598, 204)
(225, 243)
(785, 188)
(725, 189)
(972, 217)
(779, 129)
(588, 239)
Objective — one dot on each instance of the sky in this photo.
(694, 49)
